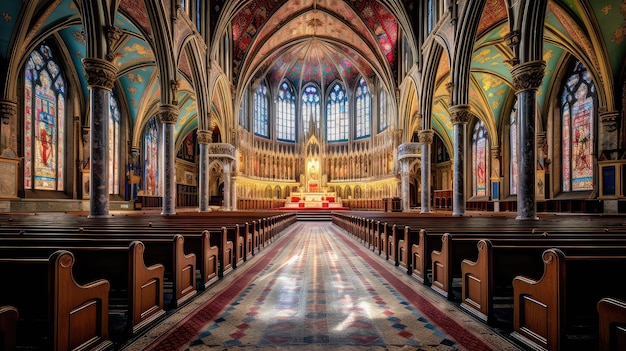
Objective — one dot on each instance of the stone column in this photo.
(233, 190)
(168, 114)
(405, 194)
(8, 121)
(226, 205)
(459, 114)
(426, 139)
(100, 75)
(527, 77)
(204, 139)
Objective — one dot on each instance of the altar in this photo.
(312, 200)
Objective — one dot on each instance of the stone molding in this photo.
(408, 150)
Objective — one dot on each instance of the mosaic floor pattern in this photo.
(318, 289)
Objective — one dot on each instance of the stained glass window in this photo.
(151, 158)
(286, 113)
(44, 122)
(261, 113)
(114, 146)
(311, 107)
(577, 133)
(337, 117)
(479, 159)
(514, 168)
(383, 117)
(363, 110)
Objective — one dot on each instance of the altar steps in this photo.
(311, 216)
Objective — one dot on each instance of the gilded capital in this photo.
(528, 75)
(99, 73)
(204, 137)
(426, 136)
(460, 114)
(168, 114)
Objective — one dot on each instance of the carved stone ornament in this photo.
(528, 75)
(168, 114)
(222, 150)
(204, 137)
(8, 110)
(426, 136)
(408, 150)
(460, 114)
(99, 73)
(609, 120)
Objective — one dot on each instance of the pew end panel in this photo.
(8, 325)
(145, 289)
(477, 285)
(184, 272)
(612, 324)
(209, 265)
(79, 312)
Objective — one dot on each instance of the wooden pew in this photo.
(180, 272)
(136, 291)
(490, 276)
(56, 313)
(563, 302)
(8, 323)
(612, 324)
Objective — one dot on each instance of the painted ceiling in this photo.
(313, 40)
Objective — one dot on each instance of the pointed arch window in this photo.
(479, 159)
(261, 112)
(311, 107)
(363, 110)
(383, 117)
(44, 123)
(114, 146)
(151, 158)
(513, 168)
(577, 132)
(337, 119)
(286, 113)
(243, 111)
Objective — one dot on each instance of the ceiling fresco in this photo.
(327, 40)
(10, 11)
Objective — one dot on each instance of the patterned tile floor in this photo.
(318, 289)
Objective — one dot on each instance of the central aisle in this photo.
(321, 289)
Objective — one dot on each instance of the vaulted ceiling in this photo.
(314, 40)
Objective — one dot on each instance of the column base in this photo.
(525, 218)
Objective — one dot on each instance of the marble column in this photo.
(168, 114)
(405, 194)
(459, 114)
(233, 191)
(426, 139)
(226, 205)
(527, 77)
(204, 139)
(8, 121)
(100, 75)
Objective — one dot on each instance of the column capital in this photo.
(8, 110)
(609, 120)
(426, 136)
(460, 114)
(528, 75)
(204, 136)
(99, 73)
(168, 114)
